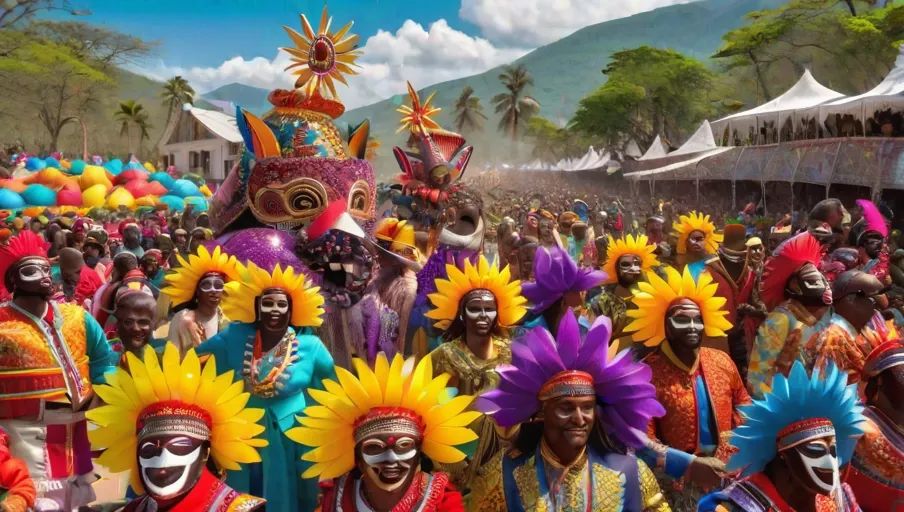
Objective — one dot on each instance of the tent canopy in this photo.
(806, 93)
(701, 140)
(656, 150)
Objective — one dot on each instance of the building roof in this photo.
(220, 124)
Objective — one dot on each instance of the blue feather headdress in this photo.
(795, 400)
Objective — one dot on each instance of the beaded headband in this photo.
(803, 431)
(885, 356)
(567, 383)
(389, 420)
(174, 417)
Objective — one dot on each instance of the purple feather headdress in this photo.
(556, 274)
(625, 396)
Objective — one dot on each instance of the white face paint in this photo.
(167, 459)
(272, 304)
(826, 462)
(34, 271)
(480, 307)
(388, 466)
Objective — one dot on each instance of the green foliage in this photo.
(469, 114)
(650, 92)
(514, 105)
(552, 143)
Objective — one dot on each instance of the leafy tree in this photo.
(468, 111)
(60, 71)
(176, 93)
(515, 105)
(553, 143)
(16, 13)
(650, 92)
(132, 114)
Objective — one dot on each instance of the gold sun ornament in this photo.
(447, 299)
(416, 118)
(322, 57)
(624, 246)
(696, 222)
(307, 303)
(182, 283)
(655, 296)
(390, 392)
(150, 388)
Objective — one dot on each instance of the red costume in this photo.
(208, 495)
(428, 493)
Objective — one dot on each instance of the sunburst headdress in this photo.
(181, 284)
(447, 299)
(655, 296)
(696, 222)
(306, 300)
(624, 246)
(390, 399)
(173, 397)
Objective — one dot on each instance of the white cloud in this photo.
(538, 22)
(425, 57)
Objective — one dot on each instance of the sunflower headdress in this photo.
(173, 397)
(181, 284)
(483, 276)
(797, 409)
(696, 222)
(625, 246)
(306, 300)
(655, 296)
(392, 399)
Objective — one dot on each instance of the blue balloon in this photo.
(77, 167)
(10, 200)
(114, 166)
(52, 162)
(199, 203)
(175, 203)
(39, 195)
(185, 188)
(165, 179)
(35, 164)
(135, 165)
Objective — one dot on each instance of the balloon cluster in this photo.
(81, 185)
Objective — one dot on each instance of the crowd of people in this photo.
(308, 344)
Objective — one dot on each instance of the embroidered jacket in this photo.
(876, 472)
(517, 482)
(839, 343)
(58, 362)
(677, 389)
(781, 340)
(208, 495)
(757, 494)
(427, 493)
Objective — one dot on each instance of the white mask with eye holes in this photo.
(825, 462)
(167, 459)
(273, 306)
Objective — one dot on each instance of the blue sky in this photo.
(217, 42)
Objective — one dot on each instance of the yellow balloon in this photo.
(51, 178)
(147, 201)
(150, 167)
(120, 197)
(94, 196)
(94, 175)
(206, 191)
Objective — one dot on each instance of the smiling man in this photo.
(573, 400)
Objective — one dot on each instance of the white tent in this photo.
(805, 94)
(888, 94)
(633, 150)
(701, 140)
(656, 150)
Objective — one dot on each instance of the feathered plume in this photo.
(873, 218)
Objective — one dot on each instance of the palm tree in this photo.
(515, 106)
(132, 113)
(468, 111)
(176, 92)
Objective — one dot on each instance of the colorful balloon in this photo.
(165, 179)
(77, 167)
(10, 200)
(94, 196)
(34, 164)
(69, 197)
(39, 195)
(185, 188)
(94, 175)
(51, 177)
(174, 203)
(120, 197)
(52, 162)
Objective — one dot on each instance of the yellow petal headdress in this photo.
(655, 296)
(152, 388)
(306, 300)
(624, 246)
(397, 236)
(378, 400)
(416, 118)
(181, 284)
(696, 222)
(450, 291)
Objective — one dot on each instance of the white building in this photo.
(205, 142)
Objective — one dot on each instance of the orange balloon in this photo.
(17, 185)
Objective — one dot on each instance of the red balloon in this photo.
(130, 175)
(138, 188)
(155, 188)
(69, 197)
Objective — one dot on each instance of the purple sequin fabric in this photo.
(625, 396)
(265, 248)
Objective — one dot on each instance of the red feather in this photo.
(787, 260)
(23, 245)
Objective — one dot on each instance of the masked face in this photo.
(567, 421)
(479, 312)
(32, 277)
(170, 465)
(696, 244)
(273, 311)
(628, 270)
(756, 254)
(210, 291)
(684, 325)
(389, 462)
(134, 327)
(872, 244)
(814, 465)
(809, 287)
